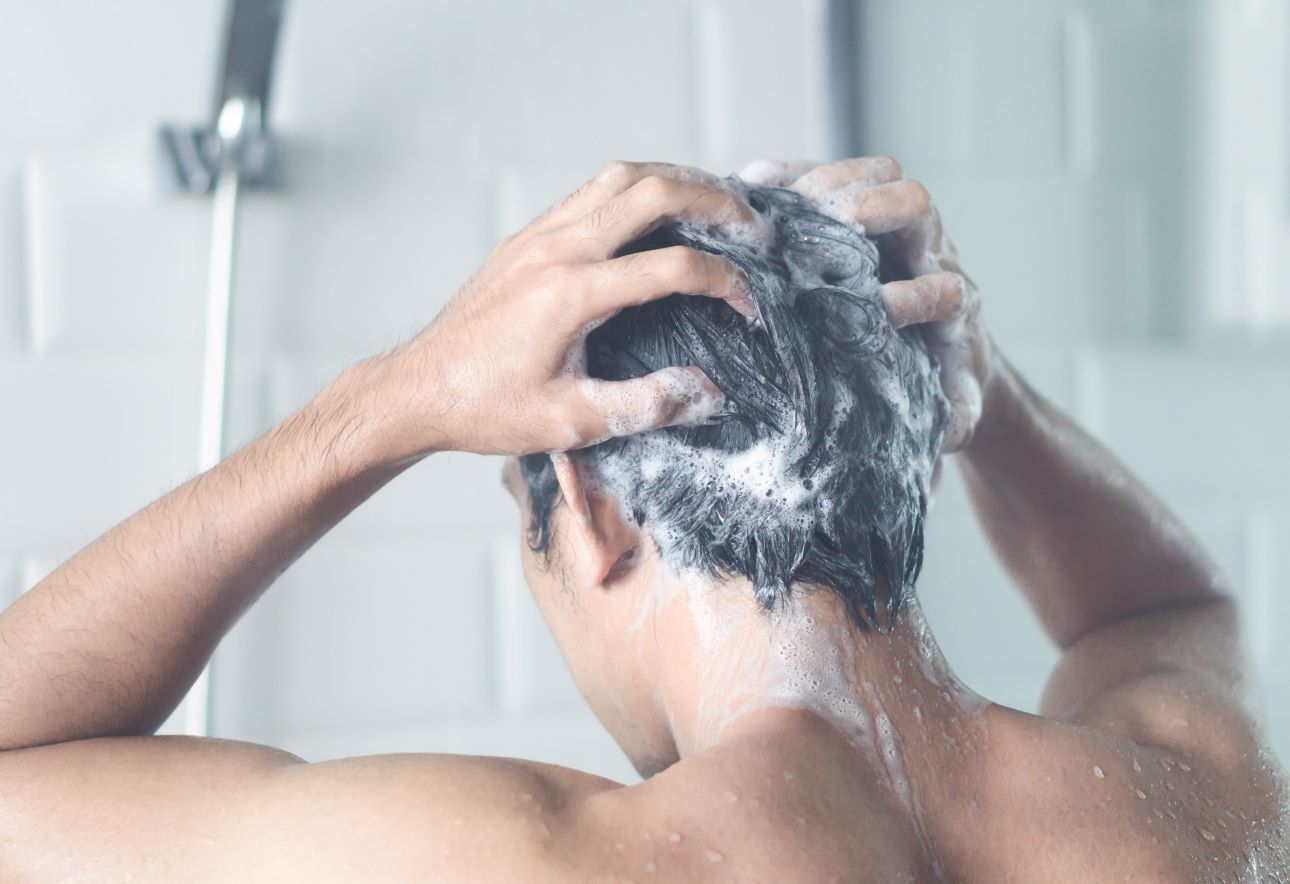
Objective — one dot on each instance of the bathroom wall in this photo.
(416, 134)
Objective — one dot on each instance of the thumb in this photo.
(668, 397)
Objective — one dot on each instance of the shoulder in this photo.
(218, 809)
(1093, 798)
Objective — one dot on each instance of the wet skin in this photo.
(1145, 764)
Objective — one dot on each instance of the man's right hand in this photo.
(926, 285)
(501, 370)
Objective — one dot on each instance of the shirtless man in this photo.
(1145, 764)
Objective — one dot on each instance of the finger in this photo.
(883, 209)
(823, 182)
(642, 277)
(613, 179)
(656, 199)
(936, 297)
(776, 173)
(668, 397)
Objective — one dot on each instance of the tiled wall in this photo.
(416, 135)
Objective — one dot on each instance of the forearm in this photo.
(109, 642)
(1087, 543)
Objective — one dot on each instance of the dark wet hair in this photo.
(849, 407)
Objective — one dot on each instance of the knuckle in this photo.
(558, 282)
(616, 170)
(919, 197)
(955, 289)
(684, 263)
(655, 187)
(888, 165)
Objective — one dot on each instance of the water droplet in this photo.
(1137, 768)
(732, 797)
(1207, 834)
(713, 856)
(1140, 794)
(1097, 772)
(674, 837)
(1186, 767)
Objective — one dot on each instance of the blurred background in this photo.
(1115, 173)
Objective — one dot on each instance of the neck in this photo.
(728, 669)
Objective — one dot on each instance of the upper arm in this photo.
(177, 808)
(1171, 679)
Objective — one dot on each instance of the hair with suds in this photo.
(816, 472)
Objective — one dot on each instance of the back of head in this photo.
(817, 471)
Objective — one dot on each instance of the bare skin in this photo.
(1145, 765)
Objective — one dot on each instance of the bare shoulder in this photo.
(1087, 801)
(161, 808)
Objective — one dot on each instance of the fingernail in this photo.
(742, 289)
(700, 402)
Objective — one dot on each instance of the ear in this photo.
(606, 542)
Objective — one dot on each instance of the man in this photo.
(792, 730)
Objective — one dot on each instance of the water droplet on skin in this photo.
(1140, 794)
(1137, 768)
(1186, 767)
(713, 856)
(674, 837)
(1207, 834)
(1097, 772)
(732, 797)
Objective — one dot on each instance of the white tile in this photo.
(362, 634)
(493, 81)
(85, 442)
(359, 253)
(1194, 423)
(755, 91)
(73, 72)
(531, 673)
(114, 262)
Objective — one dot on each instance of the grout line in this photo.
(35, 320)
(1259, 562)
(711, 84)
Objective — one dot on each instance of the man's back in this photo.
(1031, 800)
